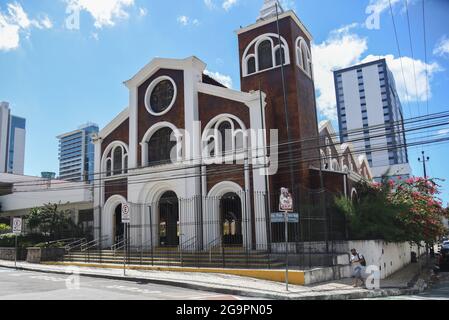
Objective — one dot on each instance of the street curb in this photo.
(238, 292)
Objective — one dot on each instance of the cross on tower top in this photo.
(269, 9)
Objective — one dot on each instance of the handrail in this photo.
(92, 244)
(183, 244)
(119, 245)
(213, 244)
(62, 240)
(75, 244)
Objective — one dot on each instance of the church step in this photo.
(212, 264)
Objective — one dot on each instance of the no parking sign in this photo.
(125, 213)
(17, 225)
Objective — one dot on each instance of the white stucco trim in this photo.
(305, 66)
(222, 188)
(151, 131)
(108, 149)
(107, 221)
(162, 63)
(289, 13)
(255, 43)
(111, 126)
(226, 93)
(149, 91)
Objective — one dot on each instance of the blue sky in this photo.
(59, 77)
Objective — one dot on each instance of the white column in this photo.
(258, 158)
(97, 188)
(133, 121)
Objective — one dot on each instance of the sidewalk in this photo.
(398, 284)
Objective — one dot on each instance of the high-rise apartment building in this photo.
(12, 141)
(370, 116)
(76, 154)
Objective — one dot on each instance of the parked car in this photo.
(443, 258)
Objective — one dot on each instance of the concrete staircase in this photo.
(229, 257)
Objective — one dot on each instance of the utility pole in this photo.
(424, 160)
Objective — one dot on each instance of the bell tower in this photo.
(275, 57)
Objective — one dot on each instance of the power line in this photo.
(400, 58)
(440, 121)
(283, 164)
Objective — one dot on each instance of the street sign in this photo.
(285, 201)
(17, 225)
(125, 213)
(279, 217)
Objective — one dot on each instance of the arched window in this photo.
(108, 167)
(280, 53)
(324, 164)
(303, 56)
(225, 134)
(262, 54)
(251, 65)
(224, 139)
(160, 147)
(115, 159)
(265, 55)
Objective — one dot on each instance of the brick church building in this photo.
(201, 165)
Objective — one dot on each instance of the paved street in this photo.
(27, 285)
(439, 291)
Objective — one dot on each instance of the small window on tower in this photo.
(280, 53)
(265, 55)
(251, 65)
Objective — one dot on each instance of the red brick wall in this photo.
(174, 116)
(121, 133)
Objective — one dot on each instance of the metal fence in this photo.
(236, 230)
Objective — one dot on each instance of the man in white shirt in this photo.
(358, 264)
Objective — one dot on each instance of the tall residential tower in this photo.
(76, 154)
(370, 116)
(12, 141)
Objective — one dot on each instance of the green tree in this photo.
(372, 216)
(403, 211)
(4, 228)
(51, 221)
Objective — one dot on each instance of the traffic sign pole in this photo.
(15, 258)
(16, 229)
(286, 206)
(124, 250)
(286, 250)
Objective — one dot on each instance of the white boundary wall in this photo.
(390, 257)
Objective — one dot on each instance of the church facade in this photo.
(200, 165)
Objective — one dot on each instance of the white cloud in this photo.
(344, 48)
(288, 4)
(228, 4)
(209, 3)
(104, 12)
(379, 6)
(186, 21)
(442, 48)
(143, 12)
(14, 22)
(95, 36)
(340, 50)
(223, 79)
(443, 132)
(407, 90)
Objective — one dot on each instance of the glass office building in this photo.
(76, 154)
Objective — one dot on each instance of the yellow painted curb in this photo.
(294, 277)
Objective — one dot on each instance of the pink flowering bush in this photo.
(406, 210)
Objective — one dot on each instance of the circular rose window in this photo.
(160, 96)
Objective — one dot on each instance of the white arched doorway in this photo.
(111, 219)
(225, 218)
